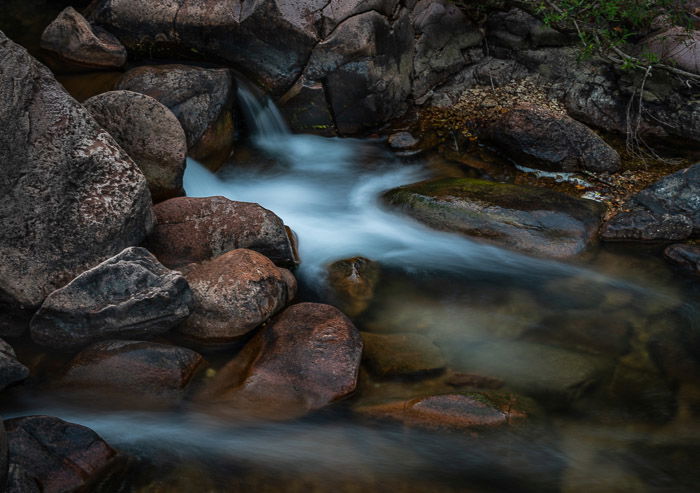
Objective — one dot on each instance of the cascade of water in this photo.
(261, 113)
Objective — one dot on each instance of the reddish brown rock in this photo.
(57, 455)
(145, 371)
(308, 357)
(459, 412)
(73, 45)
(194, 229)
(233, 294)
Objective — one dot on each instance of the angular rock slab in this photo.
(194, 229)
(458, 412)
(667, 210)
(56, 455)
(128, 295)
(307, 358)
(233, 294)
(685, 256)
(532, 220)
(11, 370)
(150, 133)
(72, 197)
(78, 46)
(540, 138)
(146, 371)
(201, 99)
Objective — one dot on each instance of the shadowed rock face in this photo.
(540, 138)
(11, 370)
(667, 210)
(308, 357)
(56, 456)
(3, 456)
(233, 294)
(150, 133)
(129, 295)
(72, 197)
(73, 45)
(194, 229)
(531, 220)
(147, 371)
(201, 99)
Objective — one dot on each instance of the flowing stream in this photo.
(610, 420)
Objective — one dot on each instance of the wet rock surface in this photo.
(401, 354)
(3, 456)
(129, 295)
(458, 411)
(149, 372)
(72, 196)
(537, 137)
(56, 456)
(11, 370)
(667, 210)
(684, 256)
(74, 45)
(194, 229)
(352, 283)
(201, 99)
(305, 359)
(233, 294)
(531, 220)
(151, 135)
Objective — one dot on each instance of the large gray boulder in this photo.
(201, 99)
(72, 197)
(150, 133)
(667, 210)
(129, 295)
(72, 44)
(11, 370)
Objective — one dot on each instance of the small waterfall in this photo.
(261, 113)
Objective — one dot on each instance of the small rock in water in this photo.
(403, 141)
(352, 282)
(457, 411)
(401, 354)
(57, 456)
(151, 135)
(233, 294)
(685, 256)
(306, 358)
(71, 44)
(11, 370)
(459, 379)
(129, 295)
(191, 229)
(136, 372)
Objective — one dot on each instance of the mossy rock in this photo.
(532, 220)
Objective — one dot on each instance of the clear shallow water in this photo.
(587, 340)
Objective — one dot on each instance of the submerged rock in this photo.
(194, 229)
(352, 283)
(128, 295)
(150, 133)
(667, 210)
(467, 411)
(233, 294)
(72, 44)
(532, 220)
(72, 197)
(541, 138)
(149, 372)
(685, 256)
(3, 456)
(201, 99)
(401, 354)
(11, 370)
(57, 456)
(305, 359)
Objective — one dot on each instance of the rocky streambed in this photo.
(198, 295)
